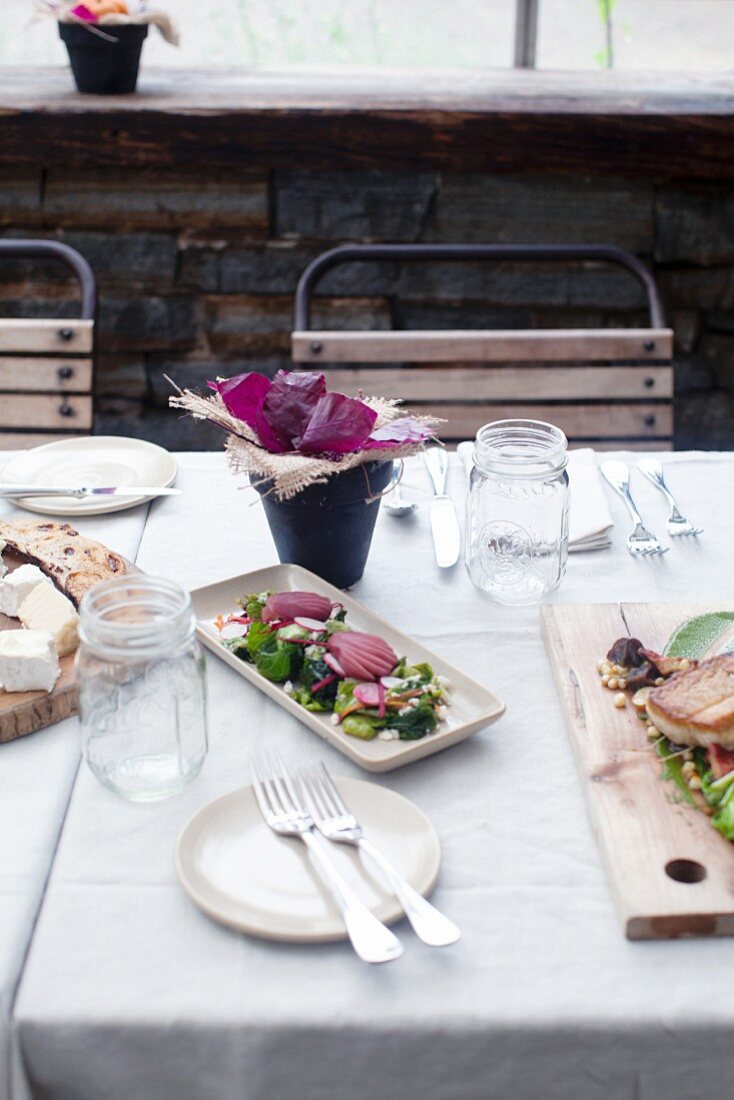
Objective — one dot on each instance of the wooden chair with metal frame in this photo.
(47, 366)
(606, 387)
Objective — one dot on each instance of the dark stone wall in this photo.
(197, 271)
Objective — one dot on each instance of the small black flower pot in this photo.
(328, 528)
(102, 67)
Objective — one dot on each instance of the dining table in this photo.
(114, 986)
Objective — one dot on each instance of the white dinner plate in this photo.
(90, 461)
(472, 706)
(240, 873)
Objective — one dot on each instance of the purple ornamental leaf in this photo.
(404, 430)
(290, 403)
(243, 397)
(338, 425)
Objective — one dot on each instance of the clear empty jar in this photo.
(517, 511)
(142, 697)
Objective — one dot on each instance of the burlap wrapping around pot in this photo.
(62, 11)
(291, 473)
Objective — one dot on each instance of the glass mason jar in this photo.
(142, 698)
(517, 511)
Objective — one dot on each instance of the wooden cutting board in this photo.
(24, 712)
(671, 872)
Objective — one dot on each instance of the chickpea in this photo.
(620, 700)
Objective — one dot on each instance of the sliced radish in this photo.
(331, 661)
(368, 693)
(232, 630)
(390, 682)
(309, 624)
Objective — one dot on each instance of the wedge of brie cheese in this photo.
(17, 585)
(45, 608)
(28, 660)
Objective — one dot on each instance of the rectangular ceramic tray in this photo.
(472, 706)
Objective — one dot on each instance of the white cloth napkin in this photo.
(590, 520)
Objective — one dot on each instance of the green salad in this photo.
(303, 641)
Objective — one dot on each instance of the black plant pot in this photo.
(328, 528)
(100, 66)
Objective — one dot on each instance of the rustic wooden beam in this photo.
(662, 125)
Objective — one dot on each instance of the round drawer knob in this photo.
(67, 410)
(66, 334)
(650, 420)
(65, 373)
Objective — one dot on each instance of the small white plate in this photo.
(240, 873)
(90, 461)
(471, 708)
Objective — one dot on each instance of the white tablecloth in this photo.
(129, 993)
(36, 778)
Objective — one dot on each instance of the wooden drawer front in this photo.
(462, 382)
(643, 421)
(51, 411)
(19, 337)
(42, 375)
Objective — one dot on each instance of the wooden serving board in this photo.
(24, 712)
(671, 872)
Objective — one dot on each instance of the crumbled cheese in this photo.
(441, 713)
(388, 735)
(28, 660)
(17, 585)
(313, 652)
(335, 719)
(444, 682)
(45, 608)
(288, 687)
(404, 710)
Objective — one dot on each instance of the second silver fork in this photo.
(640, 541)
(334, 819)
(676, 524)
(285, 812)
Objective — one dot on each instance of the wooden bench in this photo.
(47, 366)
(605, 387)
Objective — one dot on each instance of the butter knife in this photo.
(103, 491)
(444, 521)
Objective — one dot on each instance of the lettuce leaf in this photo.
(278, 661)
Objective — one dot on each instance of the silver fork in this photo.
(676, 524)
(334, 820)
(285, 812)
(639, 540)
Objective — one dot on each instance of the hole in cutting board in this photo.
(685, 870)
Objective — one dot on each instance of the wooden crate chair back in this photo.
(607, 387)
(47, 366)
